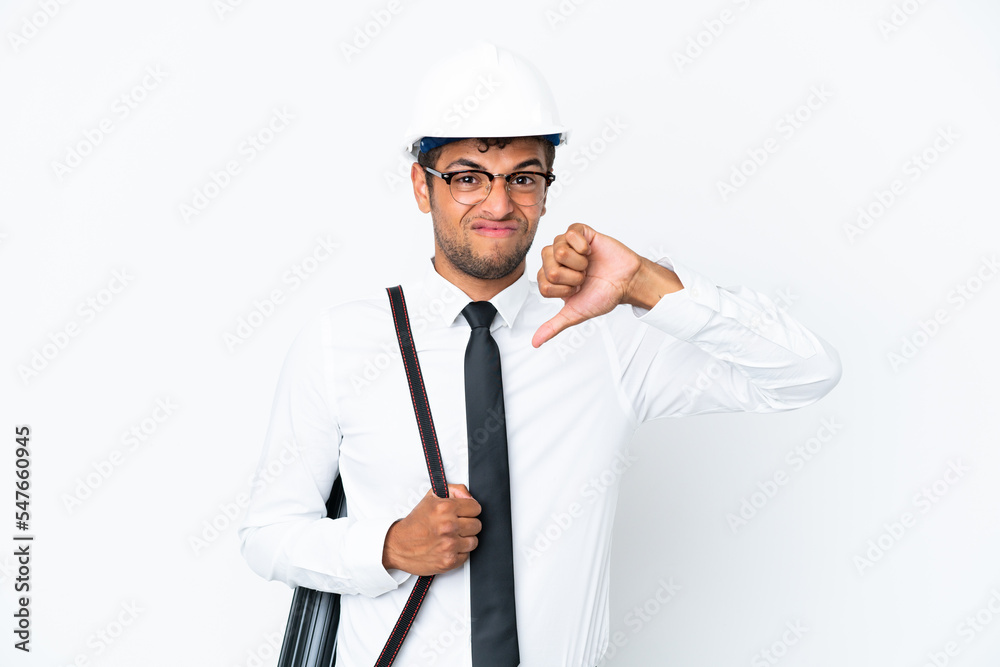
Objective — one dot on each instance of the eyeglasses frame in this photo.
(446, 176)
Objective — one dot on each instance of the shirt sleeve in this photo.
(718, 349)
(285, 534)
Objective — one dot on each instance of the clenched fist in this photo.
(436, 536)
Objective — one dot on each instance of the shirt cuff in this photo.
(363, 557)
(685, 312)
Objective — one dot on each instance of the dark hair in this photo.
(429, 159)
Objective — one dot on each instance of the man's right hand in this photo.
(436, 536)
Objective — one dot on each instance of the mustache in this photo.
(521, 222)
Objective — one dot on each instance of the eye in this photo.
(524, 180)
(467, 179)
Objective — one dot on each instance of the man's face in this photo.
(488, 240)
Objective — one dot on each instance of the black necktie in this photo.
(491, 563)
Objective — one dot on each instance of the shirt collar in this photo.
(443, 301)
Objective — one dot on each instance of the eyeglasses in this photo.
(472, 186)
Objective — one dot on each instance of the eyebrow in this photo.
(471, 164)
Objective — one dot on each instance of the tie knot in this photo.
(479, 314)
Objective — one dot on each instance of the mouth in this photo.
(494, 228)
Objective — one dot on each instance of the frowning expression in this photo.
(488, 240)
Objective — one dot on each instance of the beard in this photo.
(491, 266)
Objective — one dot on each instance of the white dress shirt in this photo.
(572, 405)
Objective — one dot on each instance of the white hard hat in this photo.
(484, 91)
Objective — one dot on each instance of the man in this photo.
(567, 412)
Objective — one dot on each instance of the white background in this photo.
(333, 172)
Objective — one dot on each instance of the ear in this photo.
(419, 178)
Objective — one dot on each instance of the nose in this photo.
(498, 202)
